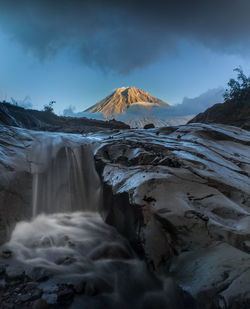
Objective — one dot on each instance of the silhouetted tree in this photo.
(238, 89)
(49, 107)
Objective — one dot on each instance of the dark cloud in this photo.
(123, 35)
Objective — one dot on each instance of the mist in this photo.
(174, 115)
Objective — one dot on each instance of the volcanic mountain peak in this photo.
(121, 99)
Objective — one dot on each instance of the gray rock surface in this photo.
(181, 196)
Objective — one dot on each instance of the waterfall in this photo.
(67, 256)
(64, 175)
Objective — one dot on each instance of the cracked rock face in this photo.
(182, 197)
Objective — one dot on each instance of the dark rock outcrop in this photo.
(182, 196)
(12, 115)
(232, 112)
(149, 126)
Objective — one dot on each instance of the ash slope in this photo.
(122, 99)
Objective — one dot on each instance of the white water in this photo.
(79, 249)
(68, 239)
(68, 244)
(64, 175)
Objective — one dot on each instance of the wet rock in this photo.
(149, 126)
(2, 285)
(219, 270)
(79, 287)
(50, 298)
(38, 274)
(66, 260)
(31, 285)
(110, 251)
(246, 246)
(35, 294)
(65, 294)
(24, 298)
(91, 286)
(5, 305)
(40, 304)
(199, 178)
(6, 253)
(14, 273)
(92, 289)
(2, 269)
(196, 224)
(170, 162)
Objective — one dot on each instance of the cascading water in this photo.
(67, 254)
(64, 176)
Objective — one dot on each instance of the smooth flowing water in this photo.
(67, 243)
(64, 176)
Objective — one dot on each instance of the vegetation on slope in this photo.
(236, 108)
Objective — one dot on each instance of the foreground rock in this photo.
(182, 198)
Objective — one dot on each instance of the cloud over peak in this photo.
(124, 35)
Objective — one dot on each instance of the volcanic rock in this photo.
(180, 196)
(187, 218)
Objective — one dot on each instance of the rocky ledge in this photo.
(182, 198)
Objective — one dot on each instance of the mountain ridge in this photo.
(17, 116)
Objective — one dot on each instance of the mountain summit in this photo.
(123, 98)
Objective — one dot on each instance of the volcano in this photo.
(123, 98)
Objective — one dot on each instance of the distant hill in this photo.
(17, 116)
(232, 112)
(123, 98)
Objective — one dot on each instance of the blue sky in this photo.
(188, 69)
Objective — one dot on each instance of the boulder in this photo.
(149, 126)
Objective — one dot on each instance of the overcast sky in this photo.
(77, 52)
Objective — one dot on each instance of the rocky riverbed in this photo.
(179, 196)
